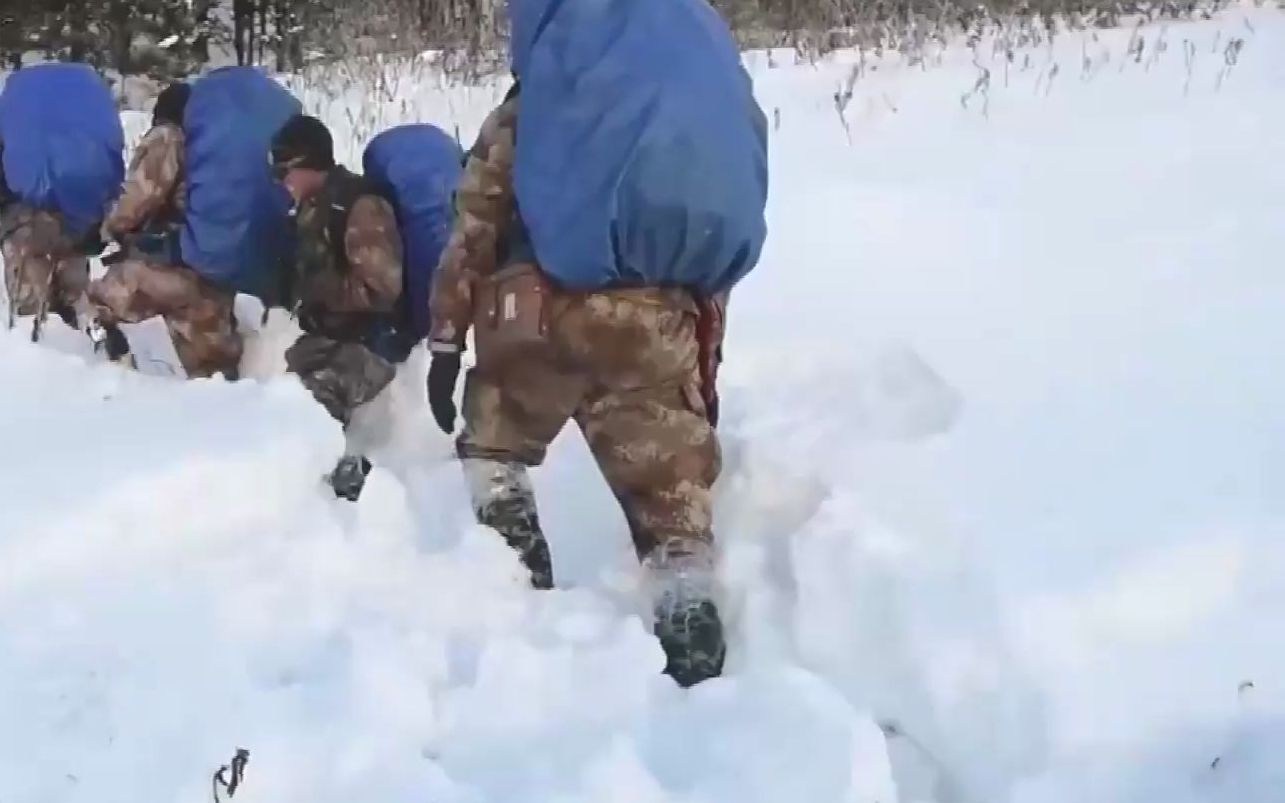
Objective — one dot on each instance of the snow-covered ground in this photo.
(1005, 481)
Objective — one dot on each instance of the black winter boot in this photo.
(504, 501)
(109, 339)
(349, 477)
(515, 519)
(688, 625)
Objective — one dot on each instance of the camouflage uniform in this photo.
(43, 269)
(347, 295)
(622, 363)
(155, 192)
(198, 313)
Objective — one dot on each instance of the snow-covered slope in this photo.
(1004, 477)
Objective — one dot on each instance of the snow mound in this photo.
(180, 585)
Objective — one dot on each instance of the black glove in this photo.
(443, 373)
(92, 243)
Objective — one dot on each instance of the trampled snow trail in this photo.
(1003, 467)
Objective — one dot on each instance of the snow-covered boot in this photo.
(687, 621)
(111, 341)
(504, 501)
(349, 477)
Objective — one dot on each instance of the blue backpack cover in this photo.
(63, 143)
(417, 168)
(641, 152)
(238, 227)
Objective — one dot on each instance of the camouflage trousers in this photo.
(42, 270)
(623, 365)
(341, 375)
(199, 314)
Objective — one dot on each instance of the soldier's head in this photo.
(171, 104)
(303, 154)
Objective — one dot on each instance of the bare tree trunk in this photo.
(122, 37)
(263, 28)
(78, 29)
(11, 42)
(201, 44)
(243, 30)
(281, 24)
(432, 12)
(294, 52)
(288, 44)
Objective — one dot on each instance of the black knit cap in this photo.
(304, 141)
(171, 104)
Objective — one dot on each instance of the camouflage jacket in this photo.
(154, 192)
(340, 288)
(484, 209)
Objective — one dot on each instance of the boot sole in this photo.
(695, 648)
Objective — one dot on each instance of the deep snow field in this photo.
(1003, 516)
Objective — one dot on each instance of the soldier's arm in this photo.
(373, 245)
(483, 208)
(154, 171)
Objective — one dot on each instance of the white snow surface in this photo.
(1004, 475)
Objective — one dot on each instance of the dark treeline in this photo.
(165, 38)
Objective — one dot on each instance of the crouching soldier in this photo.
(60, 147)
(200, 218)
(149, 278)
(146, 218)
(345, 285)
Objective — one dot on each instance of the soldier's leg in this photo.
(503, 499)
(70, 291)
(205, 333)
(12, 255)
(661, 457)
(341, 377)
(647, 428)
(645, 419)
(509, 422)
(310, 358)
(199, 315)
(71, 302)
(28, 269)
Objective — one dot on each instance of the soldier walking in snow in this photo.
(601, 298)
(194, 241)
(61, 157)
(366, 247)
(151, 279)
(345, 283)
